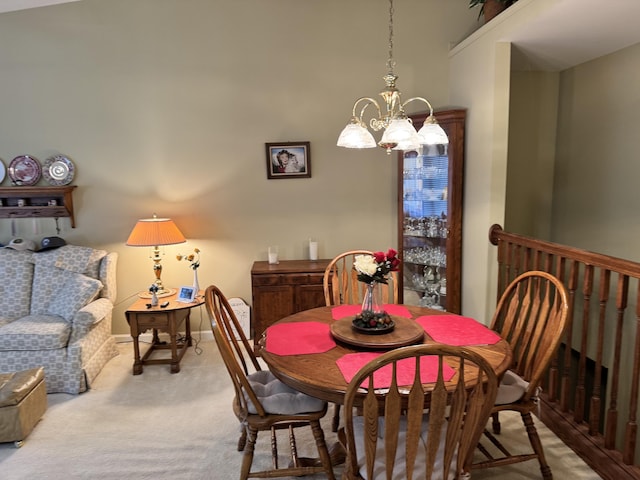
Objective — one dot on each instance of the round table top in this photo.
(318, 374)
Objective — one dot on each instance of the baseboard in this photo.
(146, 337)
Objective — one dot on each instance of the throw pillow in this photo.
(76, 291)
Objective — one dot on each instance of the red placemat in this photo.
(299, 338)
(351, 363)
(457, 330)
(343, 311)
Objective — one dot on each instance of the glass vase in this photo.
(371, 300)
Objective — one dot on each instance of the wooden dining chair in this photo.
(413, 429)
(262, 402)
(531, 315)
(341, 286)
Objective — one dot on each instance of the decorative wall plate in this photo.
(25, 170)
(58, 170)
(3, 171)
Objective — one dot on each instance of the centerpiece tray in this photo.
(406, 332)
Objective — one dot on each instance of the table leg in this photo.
(175, 361)
(156, 338)
(137, 363)
(187, 326)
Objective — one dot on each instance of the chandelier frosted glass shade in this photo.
(356, 135)
(431, 133)
(400, 135)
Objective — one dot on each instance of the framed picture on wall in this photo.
(288, 160)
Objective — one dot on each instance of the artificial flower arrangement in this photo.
(193, 258)
(376, 267)
(373, 269)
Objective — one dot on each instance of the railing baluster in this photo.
(632, 427)
(622, 293)
(572, 287)
(587, 289)
(595, 403)
(554, 373)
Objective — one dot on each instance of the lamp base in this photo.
(160, 294)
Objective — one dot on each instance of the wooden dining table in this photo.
(317, 351)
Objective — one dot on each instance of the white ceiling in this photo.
(571, 32)
(11, 5)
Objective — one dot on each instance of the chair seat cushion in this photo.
(278, 398)
(76, 291)
(35, 332)
(511, 389)
(399, 472)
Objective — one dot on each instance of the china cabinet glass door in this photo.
(430, 218)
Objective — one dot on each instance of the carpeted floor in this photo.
(163, 426)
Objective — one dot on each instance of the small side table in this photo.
(168, 319)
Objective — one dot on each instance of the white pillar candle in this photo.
(313, 249)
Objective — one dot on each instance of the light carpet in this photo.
(160, 425)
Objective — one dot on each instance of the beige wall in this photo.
(165, 105)
(533, 112)
(597, 173)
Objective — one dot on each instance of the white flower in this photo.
(365, 264)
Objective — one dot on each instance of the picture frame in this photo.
(187, 294)
(288, 160)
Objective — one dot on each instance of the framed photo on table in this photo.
(187, 294)
(288, 160)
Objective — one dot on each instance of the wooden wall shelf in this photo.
(37, 202)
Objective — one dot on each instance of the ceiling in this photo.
(11, 5)
(571, 32)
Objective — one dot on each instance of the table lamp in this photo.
(154, 232)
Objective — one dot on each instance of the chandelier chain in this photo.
(390, 62)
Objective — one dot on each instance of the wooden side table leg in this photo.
(187, 326)
(137, 363)
(175, 361)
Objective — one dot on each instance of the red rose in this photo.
(378, 257)
(391, 254)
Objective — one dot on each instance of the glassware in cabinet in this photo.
(430, 218)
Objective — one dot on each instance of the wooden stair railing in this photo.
(602, 340)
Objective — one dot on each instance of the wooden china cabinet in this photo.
(430, 183)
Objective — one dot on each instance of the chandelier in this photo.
(399, 132)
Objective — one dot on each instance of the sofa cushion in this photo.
(35, 332)
(73, 258)
(16, 272)
(51, 269)
(74, 293)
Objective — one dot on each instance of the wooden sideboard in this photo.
(283, 289)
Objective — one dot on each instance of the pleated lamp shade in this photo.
(151, 232)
